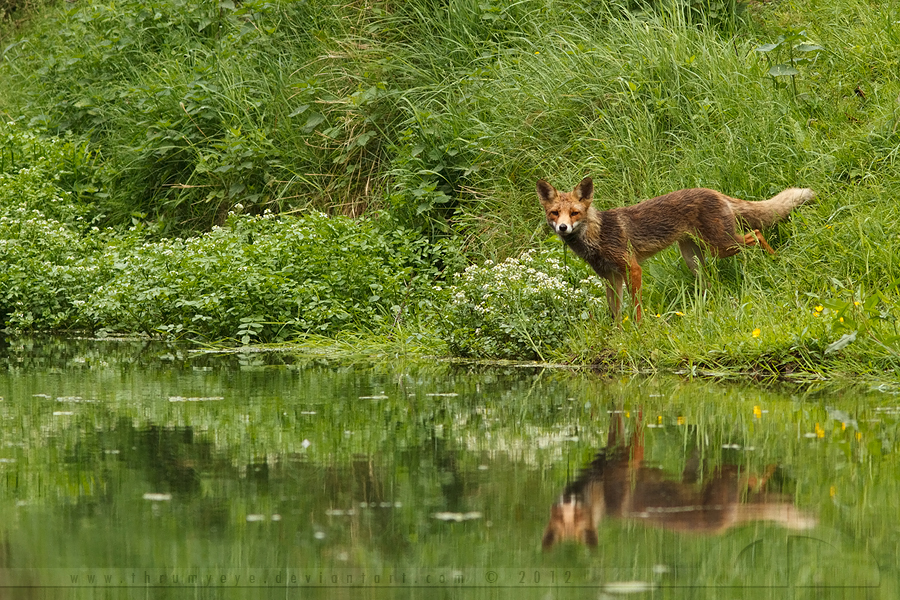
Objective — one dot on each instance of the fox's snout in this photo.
(562, 221)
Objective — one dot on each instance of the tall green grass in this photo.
(442, 114)
(445, 112)
(425, 108)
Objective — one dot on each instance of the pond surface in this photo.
(135, 469)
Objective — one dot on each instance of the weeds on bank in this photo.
(415, 107)
(255, 279)
(268, 279)
(434, 120)
(793, 50)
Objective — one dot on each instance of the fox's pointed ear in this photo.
(584, 191)
(546, 192)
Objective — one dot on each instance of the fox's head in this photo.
(565, 211)
(570, 520)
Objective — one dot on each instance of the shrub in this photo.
(259, 278)
(264, 278)
(45, 187)
(519, 308)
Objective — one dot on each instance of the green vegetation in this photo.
(167, 164)
(254, 278)
(517, 309)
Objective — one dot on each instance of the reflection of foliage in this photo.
(356, 460)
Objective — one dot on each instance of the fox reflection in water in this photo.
(618, 485)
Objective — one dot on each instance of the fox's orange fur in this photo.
(614, 242)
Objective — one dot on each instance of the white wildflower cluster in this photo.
(516, 307)
(526, 276)
(33, 228)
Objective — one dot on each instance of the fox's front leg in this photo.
(614, 284)
(630, 277)
(634, 287)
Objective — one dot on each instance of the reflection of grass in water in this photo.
(312, 442)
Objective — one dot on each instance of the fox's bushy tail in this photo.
(767, 212)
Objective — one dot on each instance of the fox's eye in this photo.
(554, 213)
(575, 213)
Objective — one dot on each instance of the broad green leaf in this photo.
(835, 305)
(765, 48)
(841, 343)
(783, 70)
(313, 120)
(300, 109)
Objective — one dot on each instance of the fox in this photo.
(615, 242)
(619, 485)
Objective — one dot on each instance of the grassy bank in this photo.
(196, 145)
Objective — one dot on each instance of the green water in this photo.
(133, 469)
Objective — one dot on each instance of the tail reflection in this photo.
(618, 485)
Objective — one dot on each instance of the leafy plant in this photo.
(266, 279)
(873, 316)
(258, 278)
(789, 49)
(519, 308)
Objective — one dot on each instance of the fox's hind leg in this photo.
(693, 258)
(754, 238)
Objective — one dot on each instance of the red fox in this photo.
(614, 242)
(618, 485)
